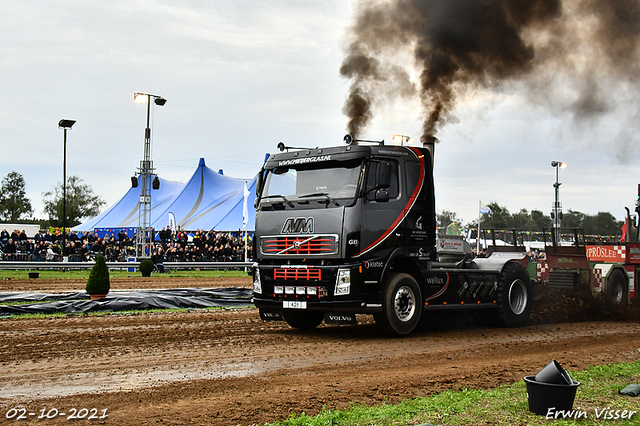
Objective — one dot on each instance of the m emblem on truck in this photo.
(298, 225)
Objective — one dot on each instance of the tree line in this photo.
(81, 202)
(499, 217)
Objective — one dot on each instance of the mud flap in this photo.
(340, 319)
(271, 315)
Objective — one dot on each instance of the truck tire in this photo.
(301, 319)
(402, 304)
(618, 288)
(514, 296)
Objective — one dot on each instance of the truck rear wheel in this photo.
(402, 304)
(617, 288)
(514, 296)
(301, 319)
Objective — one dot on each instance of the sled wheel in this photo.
(617, 288)
(402, 304)
(514, 296)
(301, 319)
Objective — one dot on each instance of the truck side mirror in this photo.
(383, 181)
(383, 175)
(259, 183)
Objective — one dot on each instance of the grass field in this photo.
(597, 403)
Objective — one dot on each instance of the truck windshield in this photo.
(336, 181)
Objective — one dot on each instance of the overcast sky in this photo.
(239, 76)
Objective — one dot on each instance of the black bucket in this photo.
(554, 373)
(543, 396)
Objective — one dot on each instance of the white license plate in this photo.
(294, 304)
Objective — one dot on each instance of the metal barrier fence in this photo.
(123, 265)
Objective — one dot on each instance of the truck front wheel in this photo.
(402, 304)
(514, 296)
(301, 319)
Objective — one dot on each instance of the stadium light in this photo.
(143, 236)
(557, 208)
(66, 125)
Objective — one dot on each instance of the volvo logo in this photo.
(298, 225)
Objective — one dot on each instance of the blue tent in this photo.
(209, 200)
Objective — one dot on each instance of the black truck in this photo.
(351, 230)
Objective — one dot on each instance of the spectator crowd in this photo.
(180, 246)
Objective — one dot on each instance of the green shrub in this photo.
(98, 281)
(146, 267)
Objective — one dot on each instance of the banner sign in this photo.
(131, 232)
(606, 254)
(633, 253)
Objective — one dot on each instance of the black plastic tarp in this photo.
(40, 297)
(123, 301)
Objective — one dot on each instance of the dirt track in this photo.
(227, 367)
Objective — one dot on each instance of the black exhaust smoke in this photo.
(460, 46)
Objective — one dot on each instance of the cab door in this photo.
(382, 207)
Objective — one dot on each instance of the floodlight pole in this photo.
(143, 234)
(557, 206)
(64, 124)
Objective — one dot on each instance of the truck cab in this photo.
(351, 230)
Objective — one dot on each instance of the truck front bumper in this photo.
(343, 306)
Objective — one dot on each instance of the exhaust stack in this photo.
(429, 142)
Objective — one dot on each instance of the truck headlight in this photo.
(343, 282)
(257, 284)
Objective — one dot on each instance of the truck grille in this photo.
(306, 274)
(303, 245)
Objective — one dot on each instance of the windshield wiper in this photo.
(289, 203)
(320, 194)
